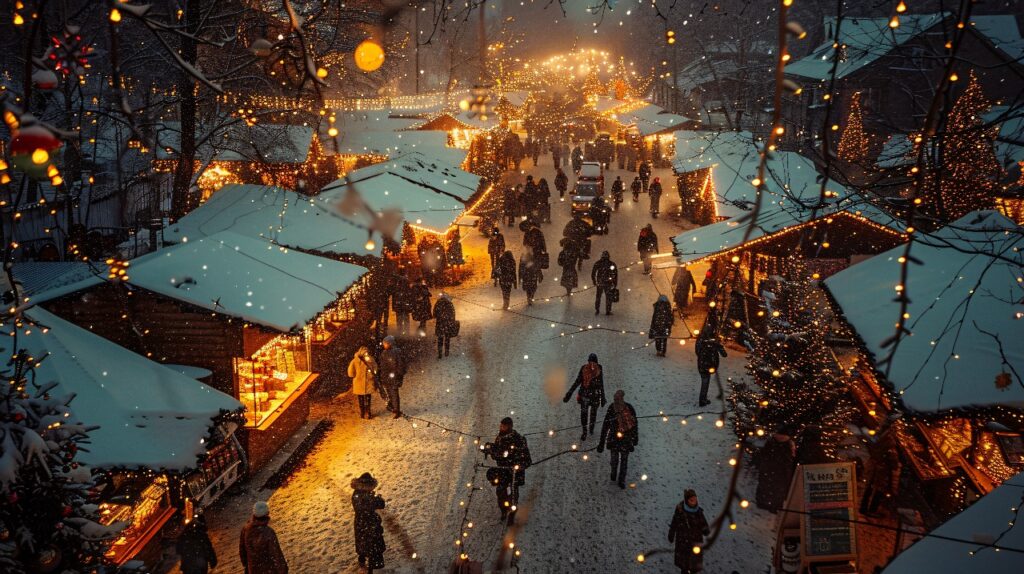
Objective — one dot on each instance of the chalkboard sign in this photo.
(828, 502)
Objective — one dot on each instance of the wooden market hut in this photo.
(955, 376)
(240, 307)
(164, 443)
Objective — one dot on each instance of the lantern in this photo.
(369, 55)
(33, 150)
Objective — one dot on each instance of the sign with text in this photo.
(829, 496)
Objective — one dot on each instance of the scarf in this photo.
(690, 509)
(590, 373)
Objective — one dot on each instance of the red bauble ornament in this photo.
(34, 149)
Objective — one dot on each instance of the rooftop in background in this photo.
(272, 214)
(964, 546)
(425, 170)
(149, 416)
(965, 296)
(651, 119)
(269, 143)
(419, 204)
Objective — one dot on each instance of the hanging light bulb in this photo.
(370, 243)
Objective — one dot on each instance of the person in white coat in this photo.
(363, 371)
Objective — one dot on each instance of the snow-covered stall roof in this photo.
(1002, 30)
(246, 277)
(149, 416)
(866, 40)
(652, 119)
(271, 213)
(393, 144)
(953, 356)
(426, 170)
(372, 121)
(269, 143)
(516, 97)
(55, 278)
(700, 149)
(703, 71)
(418, 204)
(967, 538)
(896, 152)
(606, 104)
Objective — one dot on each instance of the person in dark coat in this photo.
(544, 200)
(683, 285)
(535, 153)
(511, 453)
(776, 461)
(258, 547)
(529, 275)
(195, 549)
(577, 159)
(556, 154)
(645, 174)
(445, 325)
(590, 382)
(688, 528)
(391, 369)
(709, 351)
(567, 261)
(605, 276)
(421, 303)
(647, 245)
(618, 188)
(378, 300)
(534, 240)
(369, 531)
(655, 191)
(401, 303)
(433, 260)
(495, 247)
(635, 187)
(561, 183)
(576, 234)
(600, 214)
(506, 277)
(508, 206)
(619, 431)
(661, 325)
(454, 252)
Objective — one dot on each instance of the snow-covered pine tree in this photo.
(797, 383)
(46, 521)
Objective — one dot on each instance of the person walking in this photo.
(776, 461)
(534, 240)
(362, 369)
(445, 325)
(391, 369)
(687, 530)
(561, 183)
(556, 154)
(709, 351)
(506, 277)
(535, 153)
(605, 276)
(620, 433)
(369, 531)
(590, 382)
(258, 547)
(655, 192)
(567, 261)
(401, 303)
(683, 285)
(645, 174)
(565, 154)
(530, 275)
(195, 549)
(508, 206)
(544, 200)
(421, 304)
(577, 159)
(495, 248)
(647, 245)
(635, 188)
(618, 188)
(661, 324)
(511, 454)
(379, 300)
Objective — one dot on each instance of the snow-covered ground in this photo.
(514, 364)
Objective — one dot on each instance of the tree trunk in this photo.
(181, 192)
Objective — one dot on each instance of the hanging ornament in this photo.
(33, 150)
(44, 79)
(369, 55)
(70, 53)
(1003, 381)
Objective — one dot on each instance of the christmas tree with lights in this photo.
(798, 384)
(853, 145)
(970, 170)
(46, 522)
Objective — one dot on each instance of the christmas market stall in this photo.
(241, 307)
(955, 374)
(461, 127)
(656, 129)
(164, 444)
(714, 170)
(986, 537)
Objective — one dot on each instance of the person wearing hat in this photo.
(647, 245)
(391, 375)
(605, 276)
(362, 369)
(619, 431)
(661, 324)
(511, 453)
(369, 531)
(687, 531)
(445, 325)
(195, 549)
(590, 382)
(258, 546)
(495, 247)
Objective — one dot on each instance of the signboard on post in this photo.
(821, 511)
